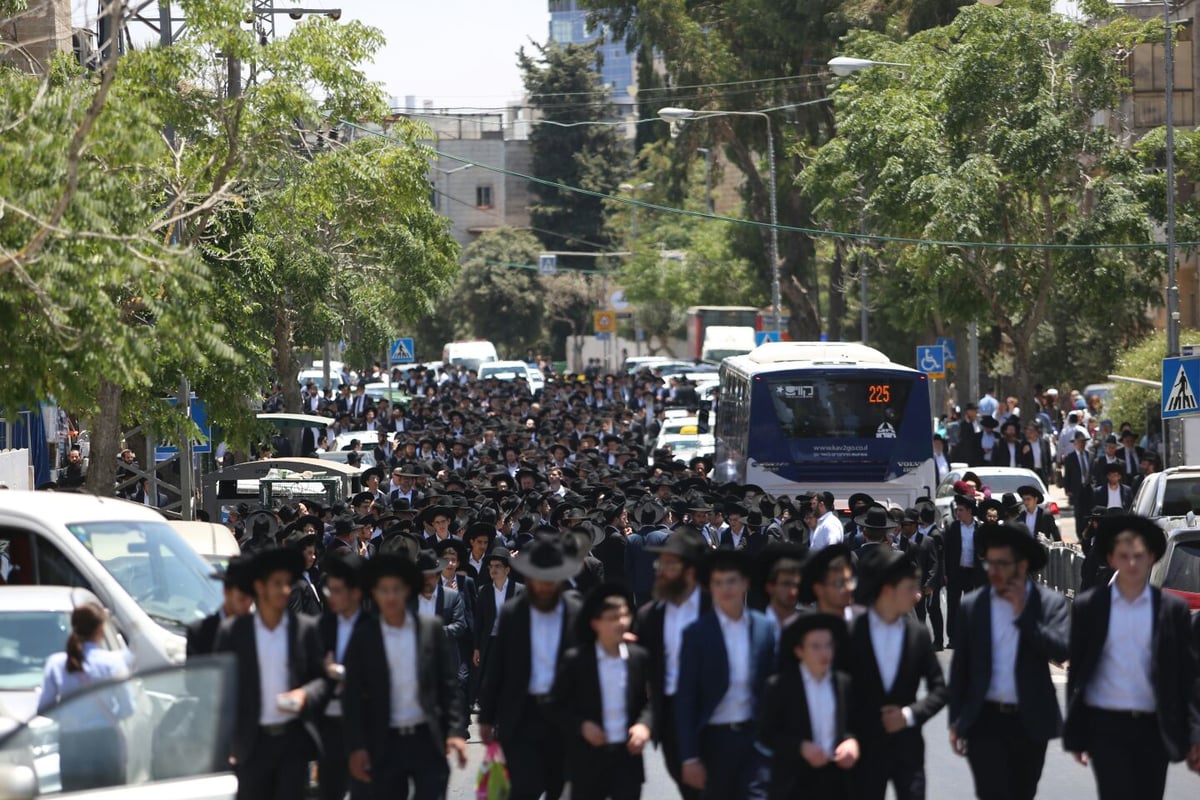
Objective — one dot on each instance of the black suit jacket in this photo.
(505, 683)
(1076, 482)
(367, 699)
(485, 608)
(304, 599)
(1173, 671)
(648, 626)
(1025, 457)
(785, 725)
(755, 541)
(968, 447)
(202, 635)
(306, 670)
(953, 547)
(577, 699)
(1044, 525)
(926, 551)
(1044, 630)
(1100, 495)
(917, 662)
(611, 552)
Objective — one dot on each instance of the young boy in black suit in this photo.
(806, 712)
(601, 697)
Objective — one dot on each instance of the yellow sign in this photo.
(604, 321)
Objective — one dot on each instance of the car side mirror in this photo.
(17, 782)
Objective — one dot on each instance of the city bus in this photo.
(796, 417)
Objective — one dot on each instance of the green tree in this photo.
(497, 297)
(563, 87)
(988, 136)
(1130, 401)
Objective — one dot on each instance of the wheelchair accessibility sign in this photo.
(931, 359)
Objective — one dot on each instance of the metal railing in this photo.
(1064, 568)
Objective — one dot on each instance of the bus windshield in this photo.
(818, 407)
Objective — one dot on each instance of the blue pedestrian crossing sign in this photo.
(1180, 378)
(931, 359)
(402, 351)
(762, 337)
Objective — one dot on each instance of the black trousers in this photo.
(611, 774)
(670, 749)
(278, 766)
(897, 758)
(1005, 762)
(333, 769)
(930, 608)
(730, 761)
(1127, 755)
(959, 581)
(410, 757)
(535, 754)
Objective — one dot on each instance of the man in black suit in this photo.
(659, 627)
(890, 655)
(1103, 460)
(536, 628)
(343, 615)
(1035, 453)
(1130, 455)
(923, 549)
(611, 549)
(1003, 705)
(967, 447)
(239, 599)
(1035, 518)
(498, 588)
(281, 683)
(1113, 492)
(961, 561)
(454, 553)
(401, 701)
(1077, 478)
(601, 700)
(305, 597)
(1131, 702)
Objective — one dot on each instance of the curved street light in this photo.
(846, 65)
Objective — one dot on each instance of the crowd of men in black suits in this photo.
(588, 600)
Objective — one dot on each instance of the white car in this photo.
(999, 479)
(215, 543)
(511, 371)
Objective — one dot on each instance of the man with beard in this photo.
(678, 602)
(535, 629)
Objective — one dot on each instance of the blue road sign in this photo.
(762, 337)
(1180, 377)
(950, 352)
(402, 351)
(931, 359)
(163, 450)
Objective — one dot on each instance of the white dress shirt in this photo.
(822, 709)
(1122, 679)
(676, 618)
(967, 559)
(400, 646)
(738, 703)
(1114, 497)
(1006, 638)
(345, 627)
(271, 647)
(777, 624)
(498, 596)
(545, 634)
(887, 639)
(427, 606)
(829, 531)
(1031, 522)
(614, 681)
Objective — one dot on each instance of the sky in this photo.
(453, 52)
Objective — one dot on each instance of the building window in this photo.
(1147, 70)
(483, 196)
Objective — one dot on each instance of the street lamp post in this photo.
(445, 204)
(1173, 430)
(682, 114)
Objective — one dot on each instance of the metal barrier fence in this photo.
(1064, 569)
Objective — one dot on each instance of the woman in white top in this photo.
(91, 747)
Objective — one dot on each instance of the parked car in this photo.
(1169, 496)
(215, 543)
(139, 567)
(999, 479)
(177, 738)
(1178, 571)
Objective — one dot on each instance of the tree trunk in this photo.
(837, 298)
(106, 440)
(1022, 339)
(285, 357)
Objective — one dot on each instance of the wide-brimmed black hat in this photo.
(1113, 524)
(261, 522)
(298, 539)
(1016, 536)
(730, 560)
(801, 625)
(237, 574)
(457, 545)
(875, 518)
(345, 565)
(393, 565)
(1114, 466)
(817, 567)
(989, 422)
(881, 566)
(276, 559)
(966, 501)
(343, 524)
(497, 553)
(543, 559)
(427, 514)
(1029, 490)
(987, 505)
(429, 563)
(593, 604)
(686, 542)
(859, 498)
(650, 513)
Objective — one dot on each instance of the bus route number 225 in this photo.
(879, 393)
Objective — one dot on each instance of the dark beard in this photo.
(545, 603)
(672, 591)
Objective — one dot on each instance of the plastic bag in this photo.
(492, 782)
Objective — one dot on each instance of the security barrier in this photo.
(1064, 567)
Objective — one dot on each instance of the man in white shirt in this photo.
(1003, 704)
(829, 528)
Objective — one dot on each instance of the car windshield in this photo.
(1183, 571)
(27, 639)
(1000, 484)
(1181, 495)
(155, 566)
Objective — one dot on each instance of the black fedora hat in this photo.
(298, 539)
(457, 545)
(544, 560)
(859, 499)
(1112, 525)
(1016, 536)
(261, 522)
(882, 566)
(403, 544)
(817, 567)
(427, 514)
(650, 513)
(429, 563)
(792, 635)
(1029, 490)
(344, 565)
(686, 542)
(497, 553)
(875, 518)
(393, 565)
(276, 559)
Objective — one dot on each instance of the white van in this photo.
(142, 570)
(469, 354)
